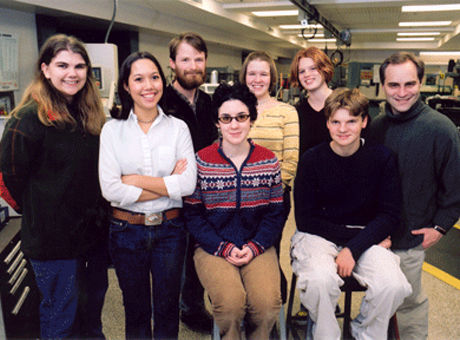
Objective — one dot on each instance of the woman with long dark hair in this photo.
(147, 164)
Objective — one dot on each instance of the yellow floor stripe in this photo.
(457, 226)
(441, 275)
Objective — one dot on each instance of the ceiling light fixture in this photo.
(298, 27)
(431, 8)
(322, 40)
(424, 23)
(456, 53)
(413, 34)
(287, 13)
(415, 39)
(319, 35)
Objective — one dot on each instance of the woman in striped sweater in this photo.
(235, 214)
(277, 125)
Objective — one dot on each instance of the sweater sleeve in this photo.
(21, 146)
(447, 167)
(271, 224)
(387, 219)
(290, 144)
(199, 226)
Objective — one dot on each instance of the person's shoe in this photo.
(301, 318)
(198, 321)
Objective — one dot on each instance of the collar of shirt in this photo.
(184, 98)
(133, 118)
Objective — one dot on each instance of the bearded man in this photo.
(183, 99)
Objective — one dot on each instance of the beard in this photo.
(190, 82)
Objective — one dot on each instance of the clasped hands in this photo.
(239, 257)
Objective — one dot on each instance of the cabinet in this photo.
(19, 295)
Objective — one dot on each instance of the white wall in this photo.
(158, 45)
(22, 24)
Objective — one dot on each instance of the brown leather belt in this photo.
(146, 219)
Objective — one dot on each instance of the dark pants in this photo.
(277, 243)
(73, 293)
(192, 298)
(138, 251)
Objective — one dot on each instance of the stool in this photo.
(282, 324)
(350, 285)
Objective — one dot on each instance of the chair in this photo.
(282, 327)
(350, 285)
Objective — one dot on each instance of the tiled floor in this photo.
(444, 321)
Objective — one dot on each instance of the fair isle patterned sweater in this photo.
(235, 208)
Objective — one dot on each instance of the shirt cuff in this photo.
(173, 187)
(132, 195)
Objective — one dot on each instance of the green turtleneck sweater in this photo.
(427, 147)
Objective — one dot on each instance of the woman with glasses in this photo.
(236, 214)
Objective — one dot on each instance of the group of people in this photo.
(187, 194)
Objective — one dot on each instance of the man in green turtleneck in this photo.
(427, 147)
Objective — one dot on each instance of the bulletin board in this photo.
(9, 62)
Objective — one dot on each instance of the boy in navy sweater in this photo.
(347, 201)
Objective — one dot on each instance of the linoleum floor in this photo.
(444, 322)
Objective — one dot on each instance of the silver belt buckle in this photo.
(154, 219)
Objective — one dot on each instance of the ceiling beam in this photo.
(313, 14)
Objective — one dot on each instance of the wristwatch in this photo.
(441, 230)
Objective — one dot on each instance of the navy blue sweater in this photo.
(235, 207)
(333, 193)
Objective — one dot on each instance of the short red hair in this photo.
(321, 60)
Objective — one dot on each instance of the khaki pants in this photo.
(234, 291)
(413, 313)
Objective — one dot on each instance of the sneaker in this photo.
(198, 321)
(301, 318)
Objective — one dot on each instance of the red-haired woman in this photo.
(312, 70)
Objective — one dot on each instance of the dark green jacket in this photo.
(52, 174)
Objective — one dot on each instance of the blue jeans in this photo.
(73, 293)
(138, 251)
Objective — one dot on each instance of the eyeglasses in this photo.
(228, 119)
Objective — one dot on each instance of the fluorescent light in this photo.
(431, 8)
(440, 53)
(413, 34)
(319, 35)
(425, 23)
(286, 13)
(321, 40)
(298, 27)
(415, 39)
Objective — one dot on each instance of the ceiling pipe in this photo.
(313, 14)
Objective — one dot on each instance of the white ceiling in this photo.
(373, 23)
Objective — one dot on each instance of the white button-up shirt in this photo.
(125, 150)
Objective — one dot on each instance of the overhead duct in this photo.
(313, 14)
